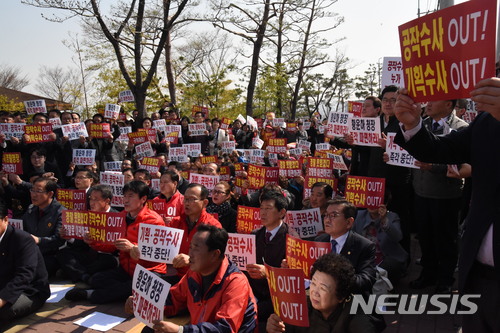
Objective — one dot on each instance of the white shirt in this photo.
(274, 231)
(340, 242)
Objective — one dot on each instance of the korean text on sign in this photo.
(365, 192)
(158, 243)
(303, 254)
(240, 250)
(307, 222)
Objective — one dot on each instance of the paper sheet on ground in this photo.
(99, 321)
(57, 292)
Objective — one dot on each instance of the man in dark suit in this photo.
(24, 285)
(339, 219)
(478, 145)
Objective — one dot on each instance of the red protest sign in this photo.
(150, 132)
(106, 227)
(152, 164)
(225, 123)
(446, 53)
(225, 173)
(365, 192)
(248, 219)
(72, 199)
(320, 167)
(302, 254)
(289, 168)
(258, 176)
(75, 223)
(202, 109)
(11, 163)
(208, 159)
(288, 295)
(355, 108)
(100, 131)
(38, 133)
(277, 145)
(137, 138)
(310, 181)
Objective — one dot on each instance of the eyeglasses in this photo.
(333, 215)
(219, 192)
(191, 200)
(37, 191)
(389, 100)
(81, 177)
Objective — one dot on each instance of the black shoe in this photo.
(442, 289)
(76, 294)
(422, 282)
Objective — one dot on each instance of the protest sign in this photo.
(159, 243)
(248, 219)
(111, 111)
(138, 137)
(307, 125)
(447, 52)
(208, 159)
(392, 72)
(198, 129)
(257, 156)
(208, 181)
(72, 199)
(311, 180)
(277, 145)
(319, 167)
(161, 207)
(469, 116)
(172, 137)
(149, 293)
(228, 146)
(288, 295)
(12, 163)
(125, 96)
(252, 123)
(38, 133)
(355, 108)
(257, 142)
(150, 132)
(323, 146)
(160, 125)
(155, 184)
(100, 131)
(365, 192)
(35, 106)
(258, 176)
(113, 166)
(16, 223)
(278, 122)
(116, 181)
(241, 250)
(289, 168)
(296, 151)
(302, 254)
(225, 173)
(193, 149)
(12, 130)
(124, 133)
(144, 150)
(178, 154)
(56, 122)
(291, 127)
(365, 131)
(202, 109)
(304, 144)
(337, 125)
(84, 156)
(225, 123)
(106, 227)
(75, 223)
(397, 155)
(152, 164)
(338, 161)
(75, 131)
(307, 223)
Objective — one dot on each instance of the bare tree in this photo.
(60, 84)
(126, 34)
(11, 77)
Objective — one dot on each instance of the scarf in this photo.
(221, 210)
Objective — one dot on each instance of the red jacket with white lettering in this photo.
(179, 222)
(147, 216)
(227, 306)
(171, 208)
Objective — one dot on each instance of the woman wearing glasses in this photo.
(221, 204)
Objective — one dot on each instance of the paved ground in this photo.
(59, 317)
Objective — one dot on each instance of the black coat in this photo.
(22, 269)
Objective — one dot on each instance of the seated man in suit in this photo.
(339, 219)
(24, 285)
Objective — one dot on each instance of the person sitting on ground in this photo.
(221, 205)
(214, 291)
(171, 197)
(330, 301)
(24, 285)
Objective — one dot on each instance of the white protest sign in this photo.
(323, 146)
(113, 166)
(257, 156)
(123, 133)
(242, 119)
(75, 131)
(16, 223)
(144, 150)
(228, 147)
(338, 161)
(392, 72)
(365, 131)
(273, 159)
(126, 96)
(160, 124)
(338, 124)
(159, 243)
(296, 151)
(278, 122)
(305, 145)
(178, 154)
(252, 123)
(155, 184)
(116, 181)
(257, 142)
(111, 111)
(56, 122)
(12, 130)
(149, 293)
(35, 106)
(306, 126)
(197, 129)
(208, 181)
(174, 128)
(83, 156)
(241, 250)
(397, 155)
(193, 149)
(306, 222)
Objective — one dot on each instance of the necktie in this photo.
(435, 126)
(268, 237)
(334, 245)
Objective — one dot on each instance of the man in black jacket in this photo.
(24, 285)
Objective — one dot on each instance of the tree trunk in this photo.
(170, 72)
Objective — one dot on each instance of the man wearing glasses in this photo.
(43, 220)
(195, 203)
(339, 219)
